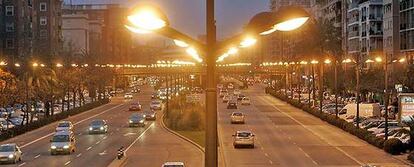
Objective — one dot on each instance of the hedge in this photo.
(18, 130)
(393, 146)
(333, 120)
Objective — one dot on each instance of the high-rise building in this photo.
(48, 30)
(391, 38)
(16, 32)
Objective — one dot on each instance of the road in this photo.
(99, 150)
(287, 136)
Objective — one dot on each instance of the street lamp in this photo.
(146, 19)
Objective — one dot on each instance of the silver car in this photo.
(237, 117)
(98, 126)
(64, 126)
(243, 138)
(63, 142)
(10, 153)
(136, 120)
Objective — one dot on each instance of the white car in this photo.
(64, 126)
(128, 96)
(236, 92)
(173, 164)
(237, 117)
(245, 101)
(243, 138)
(379, 128)
(10, 153)
(155, 105)
(226, 98)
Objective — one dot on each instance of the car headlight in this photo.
(11, 156)
(66, 147)
(102, 128)
(142, 121)
(90, 128)
(144, 115)
(130, 121)
(153, 115)
(53, 147)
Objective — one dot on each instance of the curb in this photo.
(180, 136)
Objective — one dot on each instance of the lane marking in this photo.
(37, 156)
(97, 142)
(67, 163)
(142, 134)
(104, 137)
(103, 153)
(50, 134)
(88, 148)
(24, 163)
(301, 124)
(271, 162)
(80, 154)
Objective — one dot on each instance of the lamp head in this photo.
(290, 18)
(145, 19)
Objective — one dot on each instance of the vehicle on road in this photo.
(64, 126)
(63, 142)
(155, 105)
(243, 138)
(136, 120)
(237, 117)
(240, 97)
(136, 90)
(245, 101)
(128, 96)
(98, 126)
(223, 92)
(135, 106)
(236, 92)
(10, 153)
(173, 164)
(150, 115)
(232, 104)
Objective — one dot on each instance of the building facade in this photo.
(75, 30)
(391, 38)
(407, 27)
(48, 32)
(16, 32)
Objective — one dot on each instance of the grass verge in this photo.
(195, 136)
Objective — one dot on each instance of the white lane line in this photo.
(300, 123)
(88, 148)
(270, 161)
(80, 154)
(104, 137)
(67, 163)
(24, 163)
(50, 134)
(267, 155)
(37, 156)
(142, 134)
(97, 142)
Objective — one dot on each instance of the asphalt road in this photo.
(286, 136)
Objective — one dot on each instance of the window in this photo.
(43, 34)
(9, 27)
(9, 44)
(43, 21)
(43, 6)
(9, 10)
(29, 3)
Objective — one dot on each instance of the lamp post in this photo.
(146, 19)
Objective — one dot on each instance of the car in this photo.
(236, 92)
(155, 96)
(245, 101)
(240, 97)
(230, 86)
(226, 98)
(98, 126)
(150, 115)
(135, 106)
(155, 105)
(232, 105)
(10, 153)
(237, 117)
(223, 92)
(64, 126)
(128, 96)
(63, 142)
(136, 120)
(173, 164)
(391, 125)
(243, 138)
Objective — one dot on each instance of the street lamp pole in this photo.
(357, 88)
(386, 96)
(210, 156)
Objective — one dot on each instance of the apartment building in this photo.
(407, 27)
(48, 32)
(391, 40)
(16, 32)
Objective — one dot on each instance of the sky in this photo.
(188, 16)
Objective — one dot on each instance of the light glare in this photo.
(146, 19)
(291, 24)
(248, 42)
(180, 43)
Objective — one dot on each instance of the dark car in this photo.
(150, 115)
(240, 97)
(135, 106)
(136, 120)
(98, 126)
(232, 105)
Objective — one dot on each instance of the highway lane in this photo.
(92, 150)
(286, 136)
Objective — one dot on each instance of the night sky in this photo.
(188, 16)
